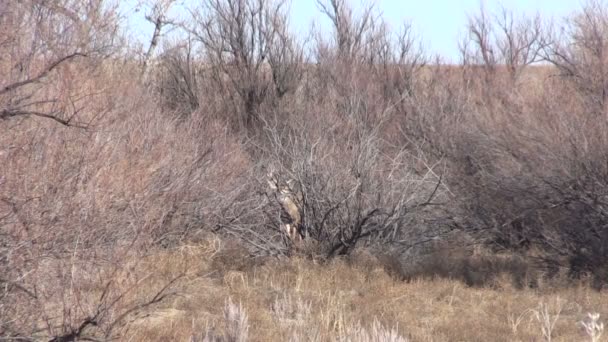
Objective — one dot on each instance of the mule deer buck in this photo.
(290, 200)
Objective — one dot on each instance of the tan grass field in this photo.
(301, 300)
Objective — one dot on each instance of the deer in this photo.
(290, 200)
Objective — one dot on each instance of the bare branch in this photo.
(42, 74)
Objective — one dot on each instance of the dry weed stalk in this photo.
(516, 320)
(547, 316)
(593, 327)
(377, 333)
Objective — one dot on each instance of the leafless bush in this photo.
(501, 41)
(400, 64)
(364, 67)
(347, 54)
(579, 53)
(82, 297)
(178, 81)
(42, 42)
(353, 34)
(251, 54)
(97, 191)
(536, 185)
(577, 185)
(350, 193)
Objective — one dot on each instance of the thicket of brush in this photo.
(103, 156)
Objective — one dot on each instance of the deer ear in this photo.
(272, 181)
(272, 185)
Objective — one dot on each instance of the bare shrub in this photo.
(82, 297)
(345, 57)
(44, 42)
(351, 33)
(400, 61)
(76, 197)
(177, 80)
(346, 198)
(498, 49)
(528, 185)
(579, 54)
(251, 53)
(340, 176)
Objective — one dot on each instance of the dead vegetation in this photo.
(352, 300)
(408, 200)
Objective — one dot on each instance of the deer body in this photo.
(290, 204)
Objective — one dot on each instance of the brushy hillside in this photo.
(234, 181)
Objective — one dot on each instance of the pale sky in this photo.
(439, 23)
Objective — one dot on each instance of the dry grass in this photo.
(303, 300)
